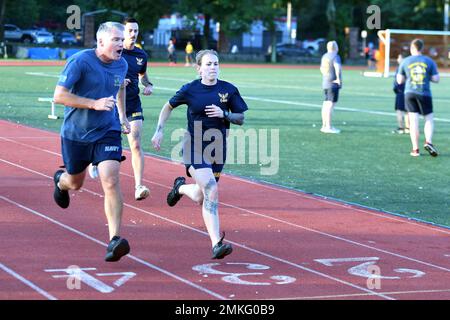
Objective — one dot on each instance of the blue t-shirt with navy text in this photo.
(197, 96)
(85, 75)
(418, 71)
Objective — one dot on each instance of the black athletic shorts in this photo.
(418, 103)
(331, 94)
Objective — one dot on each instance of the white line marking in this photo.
(333, 202)
(279, 189)
(384, 216)
(342, 239)
(311, 105)
(356, 90)
(27, 282)
(260, 215)
(337, 296)
(179, 224)
(278, 220)
(192, 229)
(84, 235)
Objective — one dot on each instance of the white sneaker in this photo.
(330, 130)
(141, 192)
(93, 171)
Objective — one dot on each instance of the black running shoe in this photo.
(174, 196)
(117, 248)
(221, 250)
(61, 197)
(431, 149)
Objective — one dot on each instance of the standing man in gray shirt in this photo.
(331, 69)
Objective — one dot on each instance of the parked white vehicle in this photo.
(313, 46)
(15, 34)
(37, 36)
(43, 37)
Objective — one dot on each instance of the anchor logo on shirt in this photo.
(223, 97)
(139, 61)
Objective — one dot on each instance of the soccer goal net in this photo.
(394, 42)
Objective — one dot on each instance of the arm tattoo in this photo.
(144, 80)
(159, 128)
(236, 118)
(210, 202)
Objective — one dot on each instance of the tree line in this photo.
(315, 18)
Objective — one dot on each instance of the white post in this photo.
(445, 36)
(387, 53)
(289, 19)
(446, 5)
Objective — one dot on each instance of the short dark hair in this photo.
(130, 20)
(418, 44)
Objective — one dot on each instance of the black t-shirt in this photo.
(197, 96)
(137, 64)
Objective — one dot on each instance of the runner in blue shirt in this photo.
(419, 70)
(212, 105)
(92, 89)
(137, 70)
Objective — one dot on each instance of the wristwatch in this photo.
(226, 113)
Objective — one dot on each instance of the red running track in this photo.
(287, 244)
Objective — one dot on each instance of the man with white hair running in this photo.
(91, 87)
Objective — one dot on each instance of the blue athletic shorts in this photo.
(195, 155)
(400, 101)
(78, 155)
(134, 110)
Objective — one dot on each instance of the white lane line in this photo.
(27, 282)
(285, 102)
(287, 223)
(339, 203)
(358, 91)
(336, 202)
(84, 235)
(342, 296)
(343, 239)
(313, 105)
(185, 226)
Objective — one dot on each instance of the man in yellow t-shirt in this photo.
(189, 51)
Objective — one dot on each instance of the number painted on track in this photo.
(363, 269)
(236, 278)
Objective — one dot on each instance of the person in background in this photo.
(331, 69)
(418, 71)
(399, 90)
(189, 54)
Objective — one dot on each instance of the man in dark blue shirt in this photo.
(399, 90)
(91, 131)
(137, 70)
(419, 70)
(212, 105)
